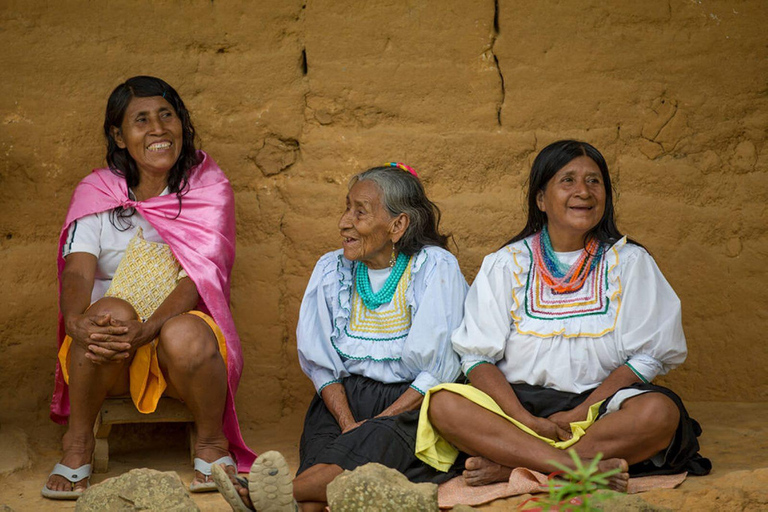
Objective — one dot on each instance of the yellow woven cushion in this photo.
(146, 275)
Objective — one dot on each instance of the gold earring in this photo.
(393, 257)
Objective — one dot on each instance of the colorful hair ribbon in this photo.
(404, 167)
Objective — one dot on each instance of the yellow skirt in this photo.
(147, 382)
(434, 450)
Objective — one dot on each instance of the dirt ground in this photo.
(735, 438)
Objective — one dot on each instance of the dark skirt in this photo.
(681, 455)
(390, 441)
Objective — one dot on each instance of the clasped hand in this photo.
(551, 429)
(351, 426)
(107, 339)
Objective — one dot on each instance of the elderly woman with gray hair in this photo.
(373, 336)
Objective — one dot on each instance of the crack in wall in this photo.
(674, 113)
(303, 63)
(494, 36)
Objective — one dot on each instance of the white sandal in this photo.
(205, 468)
(73, 476)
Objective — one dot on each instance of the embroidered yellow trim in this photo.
(394, 318)
(615, 297)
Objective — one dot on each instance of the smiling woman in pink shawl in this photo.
(172, 202)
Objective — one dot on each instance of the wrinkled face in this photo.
(365, 226)
(574, 201)
(152, 134)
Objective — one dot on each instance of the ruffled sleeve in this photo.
(650, 324)
(481, 337)
(436, 294)
(316, 327)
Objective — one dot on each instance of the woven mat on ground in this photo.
(525, 481)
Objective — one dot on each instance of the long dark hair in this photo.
(121, 162)
(550, 160)
(403, 192)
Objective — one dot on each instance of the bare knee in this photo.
(187, 343)
(444, 410)
(656, 411)
(114, 307)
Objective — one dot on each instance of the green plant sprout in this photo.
(581, 483)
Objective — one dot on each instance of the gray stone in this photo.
(376, 488)
(139, 489)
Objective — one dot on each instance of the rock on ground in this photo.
(139, 489)
(376, 488)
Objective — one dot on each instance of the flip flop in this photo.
(205, 468)
(228, 491)
(73, 475)
(270, 484)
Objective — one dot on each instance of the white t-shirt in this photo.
(95, 234)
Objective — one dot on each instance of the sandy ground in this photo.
(735, 438)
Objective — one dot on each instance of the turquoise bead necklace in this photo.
(383, 296)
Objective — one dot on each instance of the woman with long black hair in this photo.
(564, 329)
(144, 260)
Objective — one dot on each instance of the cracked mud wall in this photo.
(291, 98)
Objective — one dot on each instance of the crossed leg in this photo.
(644, 425)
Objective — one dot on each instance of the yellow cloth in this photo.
(434, 450)
(147, 382)
(146, 275)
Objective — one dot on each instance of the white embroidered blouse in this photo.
(405, 340)
(626, 313)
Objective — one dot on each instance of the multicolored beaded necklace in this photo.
(557, 276)
(383, 296)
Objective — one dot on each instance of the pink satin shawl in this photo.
(202, 237)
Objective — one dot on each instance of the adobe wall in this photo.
(291, 98)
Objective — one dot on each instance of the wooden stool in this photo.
(122, 410)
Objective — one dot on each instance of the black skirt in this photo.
(681, 455)
(390, 441)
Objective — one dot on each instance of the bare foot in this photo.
(242, 490)
(619, 481)
(78, 450)
(209, 450)
(481, 471)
